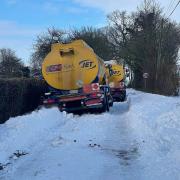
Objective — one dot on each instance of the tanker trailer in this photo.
(116, 76)
(76, 77)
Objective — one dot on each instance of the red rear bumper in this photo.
(71, 98)
(80, 102)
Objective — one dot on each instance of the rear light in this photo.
(49, 101)
(99, 95)
(95, 95)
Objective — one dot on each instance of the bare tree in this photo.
(42, 45)
(10, 64)
(148, 43)
(96, 38)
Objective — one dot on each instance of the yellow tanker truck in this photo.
(76, 77)
(116, 76)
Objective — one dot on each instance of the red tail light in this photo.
(96, 95)
(49, 101)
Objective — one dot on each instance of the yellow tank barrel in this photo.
(70, 66)
(115, 73)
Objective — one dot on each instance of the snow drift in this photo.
(136, 140)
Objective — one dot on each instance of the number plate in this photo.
(73, 91)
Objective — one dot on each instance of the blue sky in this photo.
(22, 20)
(42, 13)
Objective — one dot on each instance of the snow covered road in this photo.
(139, 141)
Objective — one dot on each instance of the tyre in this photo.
(111, 104)
(104, 108)
(105, 104)
(59, 107)
(110, 98)
(123, 96)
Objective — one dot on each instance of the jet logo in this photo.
(116, 73)
(87, 64)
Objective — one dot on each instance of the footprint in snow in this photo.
(94, 145)
(15, 156)
(58, 141)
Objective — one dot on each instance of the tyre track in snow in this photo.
(109, 146)
(76, 134)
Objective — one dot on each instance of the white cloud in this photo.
(110, 5)
(55, 7)
(129, 5)
(75, 10)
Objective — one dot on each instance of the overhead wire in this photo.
(174, 8)
(170, 6)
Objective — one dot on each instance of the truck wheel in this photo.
(123, 96)
(105, 105)
(111, 103)
(104, 108)
(59, 107)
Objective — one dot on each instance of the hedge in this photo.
(19, 96)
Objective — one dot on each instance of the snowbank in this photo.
(135, 140)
